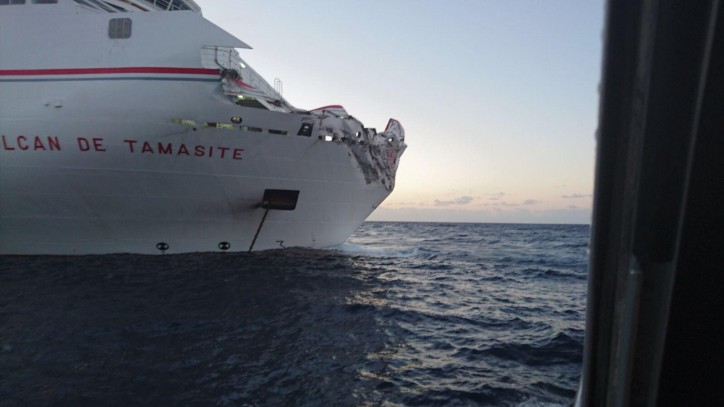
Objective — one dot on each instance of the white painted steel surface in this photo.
(91, 156)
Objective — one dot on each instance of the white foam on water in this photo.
(377, 251)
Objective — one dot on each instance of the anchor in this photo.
(276, 199)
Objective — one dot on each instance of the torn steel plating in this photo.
(377, 154)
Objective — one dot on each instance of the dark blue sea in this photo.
(408, 314)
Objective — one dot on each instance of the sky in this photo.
(499, 99)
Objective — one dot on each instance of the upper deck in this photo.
(116, 6)
(124, 37)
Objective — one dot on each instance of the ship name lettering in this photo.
(182, 149)
(95, 143)
(34, 143)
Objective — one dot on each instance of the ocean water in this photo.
(411, 314)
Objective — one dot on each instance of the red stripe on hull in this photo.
(96, 71)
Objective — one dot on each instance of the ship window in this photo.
(6, 2)
(44, 1)
(119, 28)
(219, 125)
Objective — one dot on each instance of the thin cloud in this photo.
(494, 196)
(511, 204)
(501, 203)
(574, 196)
(490, 214)
(463, 200)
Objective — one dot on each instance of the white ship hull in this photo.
(160, 159)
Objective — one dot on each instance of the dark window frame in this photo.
(120, 28)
